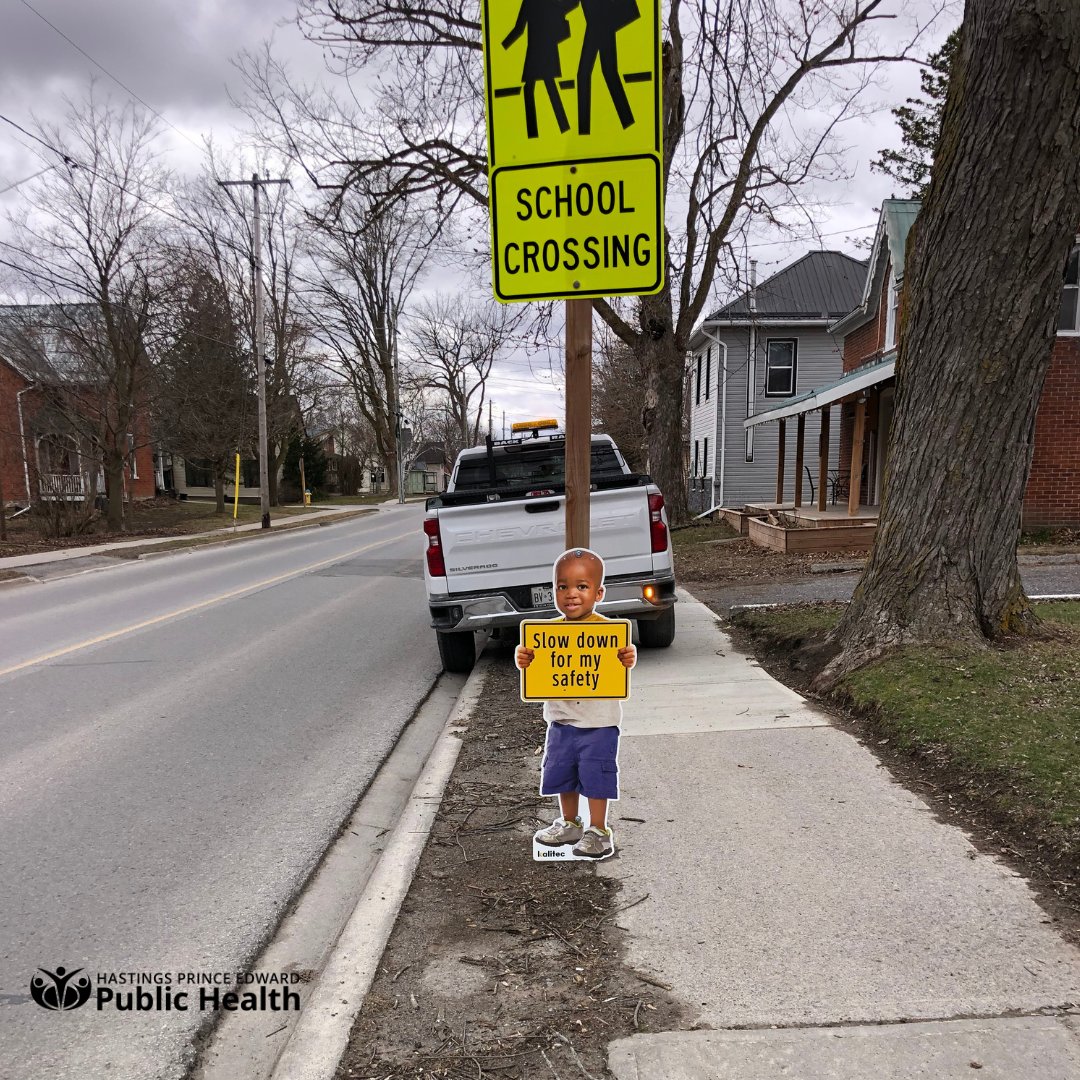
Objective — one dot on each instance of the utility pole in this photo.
(398, 441)
(504, 423)
(256, 184)
(491, 425)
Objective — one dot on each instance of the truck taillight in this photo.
(436, 566)
(657, 528)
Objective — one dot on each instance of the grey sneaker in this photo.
(559, 832)
(594, 845)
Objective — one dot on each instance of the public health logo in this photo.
(59, 990)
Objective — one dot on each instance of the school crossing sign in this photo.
(574, 147)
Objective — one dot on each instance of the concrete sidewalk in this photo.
(796, 890)
(37, 558)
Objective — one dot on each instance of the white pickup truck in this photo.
(495, 533)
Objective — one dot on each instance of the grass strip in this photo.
(1009, 711)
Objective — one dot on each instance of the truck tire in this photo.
(657, 633)
(457, 651)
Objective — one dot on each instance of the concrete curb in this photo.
(734, 609)
(321, 1034)
(22, 579)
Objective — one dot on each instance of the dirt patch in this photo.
(499, 966)
(989, 806)
(743, 560)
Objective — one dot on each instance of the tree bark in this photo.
(219, 487)
(114, 489)
(981, 295)
(661, 418)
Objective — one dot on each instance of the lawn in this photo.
(155, 517)
(1011, 713)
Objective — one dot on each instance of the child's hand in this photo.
(628, 656)
(523, 657)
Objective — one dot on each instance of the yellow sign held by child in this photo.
(575, 660)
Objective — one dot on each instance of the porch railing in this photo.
(63, 485)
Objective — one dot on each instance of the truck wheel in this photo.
(657, 633)
(457, 651)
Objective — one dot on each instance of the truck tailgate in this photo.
(516, 542)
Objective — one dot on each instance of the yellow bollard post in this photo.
(236, 490)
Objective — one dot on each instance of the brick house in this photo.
(44, 455)
(864, 393)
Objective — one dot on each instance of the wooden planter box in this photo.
(736, 519)
(823, 538)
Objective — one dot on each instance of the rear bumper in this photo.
(623, 599)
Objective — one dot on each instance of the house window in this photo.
(891, 313)
(781, 356)
(706, 468)
(249, 472)
(697, 446)
(133, 465)
(1069, 319)
(708, 371)
(697, 381)
(199, 472)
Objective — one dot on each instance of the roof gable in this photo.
(39, 341)
(890, 247)
(820, 285)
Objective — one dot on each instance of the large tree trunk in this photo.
(981, 295)
(114, 489)
(661, 419)
(219, 487)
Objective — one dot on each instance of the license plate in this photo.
(541, 596)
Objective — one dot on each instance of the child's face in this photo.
(577, 588)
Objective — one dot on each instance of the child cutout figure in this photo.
(582, 746)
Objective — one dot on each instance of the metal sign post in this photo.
(575, 177)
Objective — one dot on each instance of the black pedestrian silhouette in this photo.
(603, 20)
(546, 23)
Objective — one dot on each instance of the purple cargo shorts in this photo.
(584, 760)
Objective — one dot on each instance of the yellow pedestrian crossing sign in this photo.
(574, 147)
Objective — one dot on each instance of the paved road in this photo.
(180, 739)
(1039, 580)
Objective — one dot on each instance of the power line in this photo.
(101, 67)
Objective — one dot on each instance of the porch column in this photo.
(780, 462)
(856, 457)
(800, 432)
(823, 458)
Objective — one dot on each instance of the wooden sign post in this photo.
(578, 421)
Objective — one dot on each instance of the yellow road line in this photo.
(201, 604)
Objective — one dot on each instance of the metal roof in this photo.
(820, 285)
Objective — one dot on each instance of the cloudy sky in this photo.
(177, 57)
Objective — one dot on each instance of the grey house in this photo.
(769, 344)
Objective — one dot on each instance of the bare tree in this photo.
(455, 342)
(368, 260)
(86, 244)
(979, 314)
(619, 380)
(753, 93)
